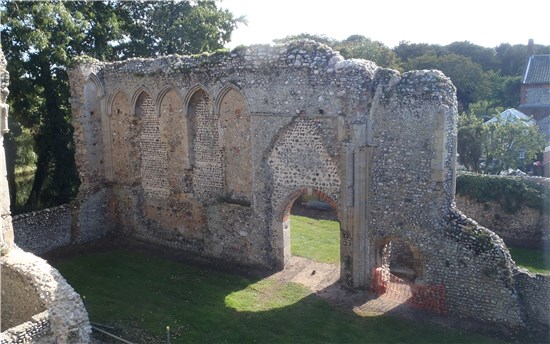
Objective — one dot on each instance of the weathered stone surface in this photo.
(208, 153)
(42, 231)
(47, 290)
(38, 306)
(6, 231)
(526, 227)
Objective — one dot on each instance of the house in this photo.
(535, 92)
(535, 96)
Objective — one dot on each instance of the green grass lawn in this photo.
(318, 240)
(138, 291)
(535, 260)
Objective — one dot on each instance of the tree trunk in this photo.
(46, 137)
(40, 175)
(11, 156)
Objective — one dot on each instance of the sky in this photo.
(483, 22)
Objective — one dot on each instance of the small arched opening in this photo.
(401, 259)
(399, 276)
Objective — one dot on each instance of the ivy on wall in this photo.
(511, 193)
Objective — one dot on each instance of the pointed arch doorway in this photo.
(310, 234)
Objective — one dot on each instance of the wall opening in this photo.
(311, 229)
(399, 276)
(399, 258)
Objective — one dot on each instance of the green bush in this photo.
(511, 193)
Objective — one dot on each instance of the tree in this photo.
(513, 59)
(505, 90)
(468, 77)
(361, 47)
(353, 47)
(485, 57)
(174, 27)
(317, 38)
(469, 140)
(407, 50)
(40, 39)
(510, 145)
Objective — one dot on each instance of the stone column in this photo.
(359, 210)
(6, 230)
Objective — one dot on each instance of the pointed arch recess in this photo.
(235, 140)
(193, 91)
(154, 162)
(167, 88)
(223, 92)
(92, 128)
(175, 133)
(205, 153)
(139, 92)
(124, 140)
(100, 88)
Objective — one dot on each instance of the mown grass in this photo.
(318, 240)
(206, 306)
(534, 260)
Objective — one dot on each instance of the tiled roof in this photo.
(538, 70)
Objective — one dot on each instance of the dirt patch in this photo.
(314, 275)
(323, 280)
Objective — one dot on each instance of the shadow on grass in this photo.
(139, 295)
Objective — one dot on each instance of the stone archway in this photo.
(400, 258)
(298, 160)
(282, 227)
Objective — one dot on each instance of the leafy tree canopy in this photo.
(468, 77)
(355, 46)
(174, 27)
(407, 50)
(39, 40)
(469, 140)
(318, 38)
(485, 57)
(504, 146)
(510, 145)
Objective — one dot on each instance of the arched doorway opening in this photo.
(311, 231)
(399, 276)
(398, 258)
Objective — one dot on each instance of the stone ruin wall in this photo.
(527, 227)
(207, 153)
(42, 231)
(37, 304)
(6, 230)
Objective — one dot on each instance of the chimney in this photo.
(531, 47)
